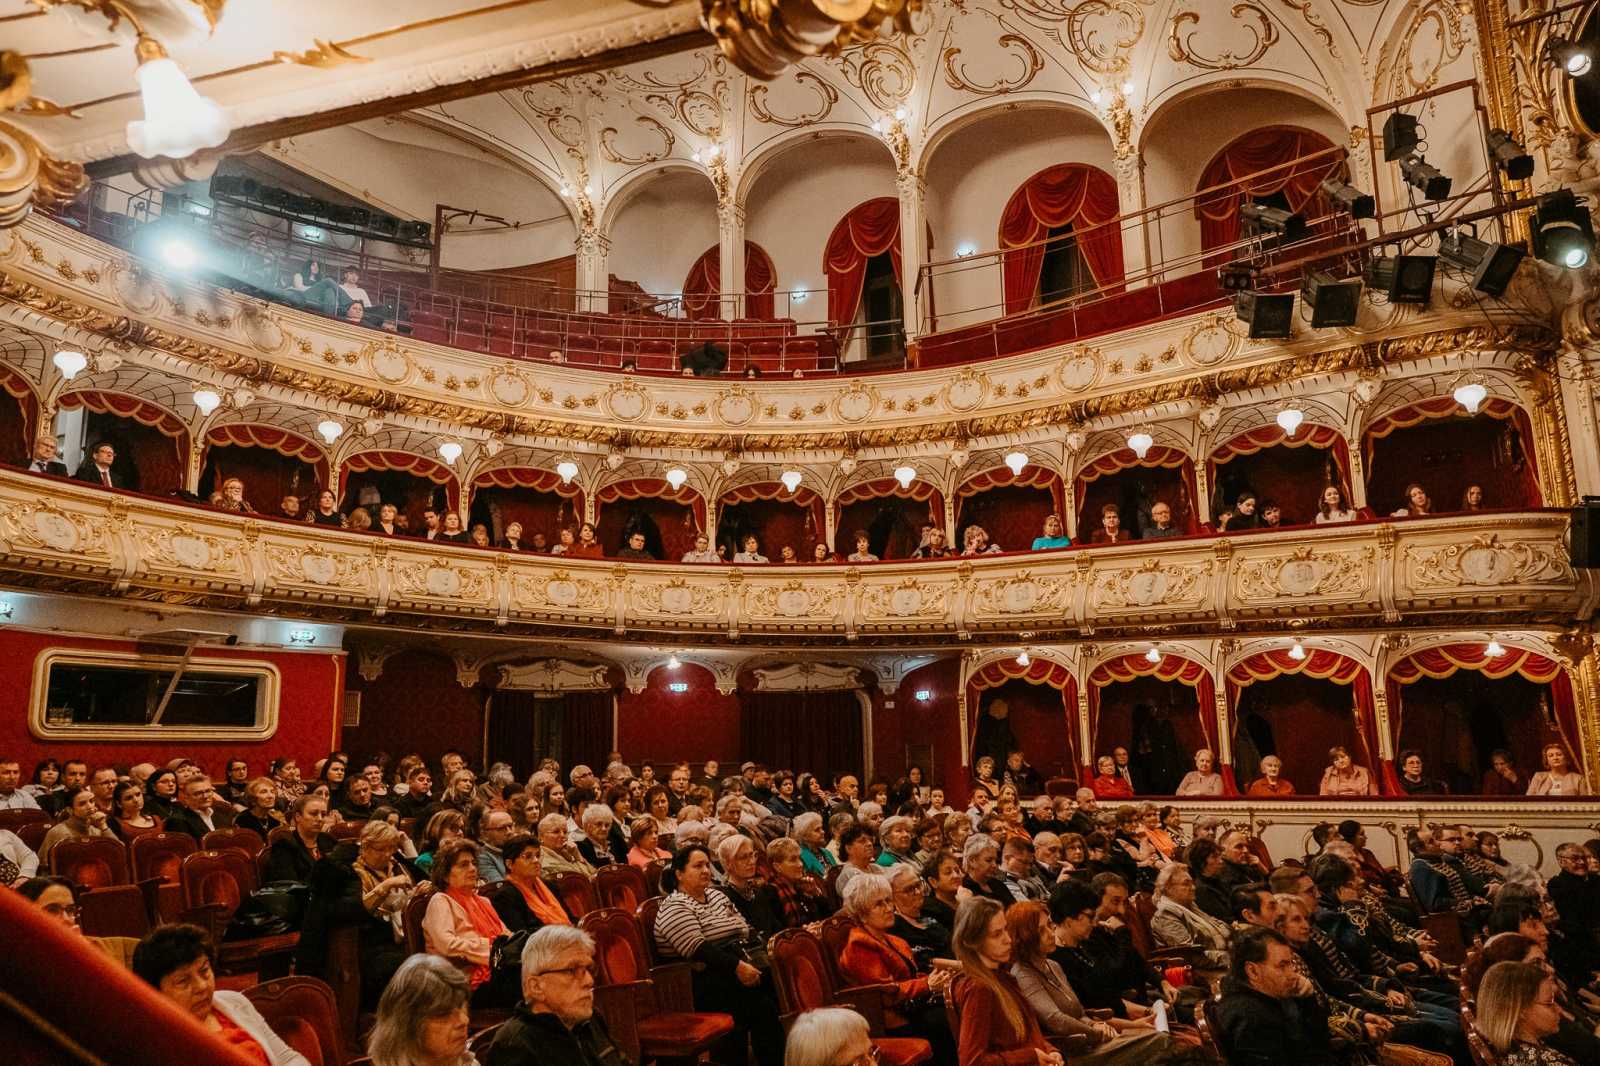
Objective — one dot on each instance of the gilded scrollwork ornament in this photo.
(764, 39)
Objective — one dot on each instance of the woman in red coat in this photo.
(874, 956)
(998, 1028)
(1106, 784)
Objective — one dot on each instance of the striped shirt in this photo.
(684, 924)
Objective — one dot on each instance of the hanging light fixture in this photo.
(1289, 420)
(1471, 394)
(329, 430)
(450, 451)
(1141, 443)
(1493, 649)
(1022, 658)
(70, 363)
(1153, 655)
(1297, 651)
(676, 477)
(672, 662)
(1016, 461)
(568, 470)
(905, 475)
(177, 120)
(791, 479)
(206, 400)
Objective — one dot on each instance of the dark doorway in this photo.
(1063, 272)
(882, 309)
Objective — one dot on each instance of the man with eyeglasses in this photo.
(556, 1024)
(1439, 881)
(1576, 893)
(198, 812)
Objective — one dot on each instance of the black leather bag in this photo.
(274, 909)
(507, 950)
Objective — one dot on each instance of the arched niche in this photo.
(703, 286)
(1162, 712)
(1040, 705)
(413, 483)
(1288, 471)
(775, 515)
(1455, 704)
(18, 415)
(151, 442)
(1298, 709)
(272, 463)
(867, 277)
(1133, 485)
(1011, 508)
(664, 221)
(1063, 238)
(1279, 165)
(891, 516)
(997, 148)
(1438, 444)
(538, 499)
(669, 518)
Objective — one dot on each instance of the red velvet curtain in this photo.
(1127, 668)
(16, 418)
(816, 731)
(586, 723)
(870, 229)
(1451, 449)
(1020, 684)
(1245, 155)
(1074, 194)
(703, 287)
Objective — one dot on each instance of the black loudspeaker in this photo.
(1585, 543)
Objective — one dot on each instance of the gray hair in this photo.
(889, 825)
(1083, 794)
(597, 812)
(1208, 821)
(690, 833)
(783, 848)
(901, 871)
(976, 845)
(379, 834)
(425, 987)
(1164, 878)
(717, 833)
(549, 943)
(860, 893)
(578, 771)
(818, 1036)
(803, 823)
(500, 775)
(550, 821)
(732, 799)
(867, 808)
(1045, 837)
(729, 846)
(1525, 876)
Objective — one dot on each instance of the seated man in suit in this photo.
(97, 469)
(198, 811)
(44, 458)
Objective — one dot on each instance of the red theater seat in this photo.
(93, 862)
(302, 1011)
(238, 838)
(577, 894)
(621, 885)
(804, 981)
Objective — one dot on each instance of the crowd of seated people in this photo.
(1017, 910)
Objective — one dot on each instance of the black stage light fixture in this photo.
(1563, 233)
(1571, 58)
(1333, 301)
(415, 231)
(1407, 279)
(1349, 199)
(1236, 277)
(1425, 178)
(1400, 136)
(1489, 266)
(1264, 218)
(1269, 314)
(1510, 156)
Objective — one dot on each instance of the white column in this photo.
(913, 192)
(730, 250)
(1136, 236)
(1575, 384)
(593, 277)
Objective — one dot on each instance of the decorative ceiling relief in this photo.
(824, 97)
(1253, 36)
(1020, 55)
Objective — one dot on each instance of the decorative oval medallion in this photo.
(905, 600)
(627, 401)
(966, 390)
(1211, 342)
(1299, 577)
(56, 530)
(676, 599)
(509, 387)
(561, 592)
(1080, 370)
(1019, 596)
(1483, 565)
(793, 602)
(318, 569)
(442, 581)
(736, 407)
(191, 551)
(1147, 587)
(855, 403)
(389, 364)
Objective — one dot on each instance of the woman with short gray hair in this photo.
(980, 862)
(422, 1017)
(828, 1036)
(597, 847)
(806, 830)
(557, 855)
(896, 837)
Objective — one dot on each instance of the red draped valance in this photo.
(1436, 407)
(1033, 476)
(1037, 672)
(1125, 458)
(1319, 663)
(1169, 668)
(703, 286)
(1068, 194)
(13, 382)
(870, 229)
(252, 435)
(771, 490)
(526, 477)
(1232, 169)
(918, 491)
(654, 488)
(123, 406)
(1263, 437)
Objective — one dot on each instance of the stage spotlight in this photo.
(1264, 218)
(1236, 277)
(179, 253)
(1510, 156)
(1563, 233)
(1400, 136)
(1270, 315)
(1572, 58)
(1349, 199)
(1425, 178)
(1333, 301)
(1489, 266)
(1406, 279)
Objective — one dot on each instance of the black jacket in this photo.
(91, 473)
(291, 860)
(593, 857)
(183, 820)
(1259, 1030)
(54, 466)
(513, 909)
(528, 1039)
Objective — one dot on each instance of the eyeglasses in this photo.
(58, 910)
(574, 972)
(868, 1058)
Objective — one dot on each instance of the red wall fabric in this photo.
(775, 522)
(410, 493)
(893, 525)
(310, 701)
(1134, 491)
(1307, 716)
(1448, 454)
(935, 723)
(665, 726)
(417, 705)
(152, 461)
(16, 444)
(1074, 194)
(1039, 720)
(539, 512)
(869, 229)
(674, 523)
(1012, 515)
(267, 475)
(799, 731)
(1457, 721)
(1255, 151)
(1293, 478)
(1173, 700)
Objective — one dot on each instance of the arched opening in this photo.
(151, 443)
(413, 483)
(820, 731)
(660, 229)
(1032, 708)
(668, 518)
(273, 463)
(1011, 508)
(1061, 225)
(18, 413)
(680, 715)
(892, 517)
(1162, 712)
(772, 514)
(1298, 709)
(1134, 486)
(1438, 445)
(573, 726)
(862, 264)
(1290, 472)
(1276, 166)
(703, 286)
(1455, 705)
(537, 499)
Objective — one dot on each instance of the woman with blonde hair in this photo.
(998, 1028)
(1557, 778)
(1517, 1009)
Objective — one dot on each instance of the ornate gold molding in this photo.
(764, 38)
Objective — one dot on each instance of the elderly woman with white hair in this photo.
(1203, 780)
(422, 1017)
(872, 955)
(558, 856)
(980, 866)
(806, 830)
(896, 838)
(1178, 923)
(829, 1036)
(596, 847)
(754, 899)
(369, 893)
(929, 938)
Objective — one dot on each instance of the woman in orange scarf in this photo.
(524, 901)
(461, 926)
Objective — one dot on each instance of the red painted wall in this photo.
(417, 705)
(310, 699)
(665, 726)
(1012, 515)
(1039, 721)
(936, 722)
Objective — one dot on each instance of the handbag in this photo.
(507, 950)
(753, 949)
(276, 908)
